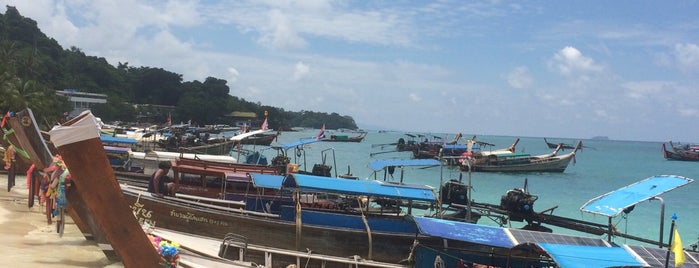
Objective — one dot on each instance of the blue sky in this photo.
(628, 70)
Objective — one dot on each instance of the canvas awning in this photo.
(345, 186)
(613, 203)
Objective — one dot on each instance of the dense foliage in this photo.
(33, 66)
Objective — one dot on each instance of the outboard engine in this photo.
(321, 170)
(454, 192)
(518, 203)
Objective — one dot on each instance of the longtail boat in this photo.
(687, 152)
(78, 142)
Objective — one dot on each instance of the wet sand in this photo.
(27, 240)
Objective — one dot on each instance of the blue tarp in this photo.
(110, 139)
(460, 147)
(381, 164)
(590, 256)
(613, 203)
(360, 187)
(467, 232)
(267, 180)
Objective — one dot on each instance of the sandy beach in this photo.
(29, 241)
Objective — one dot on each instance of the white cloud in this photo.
(646, 89)
(233, 74)
(688, 112)
(520, 78)
(687, 56)
(280, 33)
(569, 61)
(300, 71)
(414, 97)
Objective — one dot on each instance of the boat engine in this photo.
(519, 204)
(454, 192)
(321, 170)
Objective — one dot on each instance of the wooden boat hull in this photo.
(675, 153)
(220, 148)
(334, 138)
(555, 164)
(24, 125)
(260, 139)
(97, 189)
(269, 231)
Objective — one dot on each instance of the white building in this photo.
(81, 101)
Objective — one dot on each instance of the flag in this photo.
(676, 248)
(321, 134)
(264, 125)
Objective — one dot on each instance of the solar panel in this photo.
(655, 257)
(524, 236)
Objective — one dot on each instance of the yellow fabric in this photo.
(676, 248)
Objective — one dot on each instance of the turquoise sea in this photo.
(602, 166)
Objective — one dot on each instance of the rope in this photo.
(368, 229)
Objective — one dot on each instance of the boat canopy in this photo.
(378, 165)
(345, 186)
(460, 147)
(566, 251)
(117, 149)
(462, 231)
(112, 140)
(591, 256)
(613, 203)
(301, 142)
(267, 180)
(248, 134)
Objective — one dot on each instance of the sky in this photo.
(627, 70)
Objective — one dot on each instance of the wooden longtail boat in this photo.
(518, 162)
(76, 208)
(312, 223)
(345, 138)
(685, 152)
(78, 142)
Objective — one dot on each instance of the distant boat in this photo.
(519, 162)
(687, 152)
(345, 138)
(553, 145)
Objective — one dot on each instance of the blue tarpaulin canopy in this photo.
(267, 180)
(591, 256)
(613, 203)
(360, 187)
(345, 186)
(377, 165)
(467, 232)
(112, 140)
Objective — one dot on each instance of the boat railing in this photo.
(217, 204)
(211, 247)
(240, 242)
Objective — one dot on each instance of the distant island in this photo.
(600, 138)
